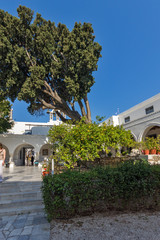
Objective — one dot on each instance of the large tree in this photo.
(45, 65)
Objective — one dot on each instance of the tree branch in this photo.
(64, 61)
(59, 103)
(45, 104)
(58, 99)
(54, 93)
(29, 57)
(72, 105)
(54, 57)
(82, 108)
(64, 119)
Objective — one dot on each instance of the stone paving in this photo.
(31, 225)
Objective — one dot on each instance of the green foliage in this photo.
(5, 122)
(149, 143)
(84, 142)
(72, 192)
(45, 65)
(99, 119)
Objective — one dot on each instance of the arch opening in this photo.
(23, 155)
(7, 154)
(152, 131)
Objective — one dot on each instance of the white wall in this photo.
(14, 142)
(114, 120)
(140, 122)
(36, 128)
(16, 139)
(138, 111)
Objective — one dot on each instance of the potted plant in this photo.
(145, 147)
(45, 169)
(152, 144)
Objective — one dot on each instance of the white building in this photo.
(143, 119)
(26, 139)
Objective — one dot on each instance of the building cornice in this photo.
(144, 119)
(140, 105)
(12, 135)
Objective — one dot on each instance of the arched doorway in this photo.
(22, 154)
(151, 131)
(45, 152)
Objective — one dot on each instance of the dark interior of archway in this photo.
(154, 128)
(153, 132)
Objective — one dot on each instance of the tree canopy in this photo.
(48, 66)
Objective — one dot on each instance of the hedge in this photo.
(132, 185)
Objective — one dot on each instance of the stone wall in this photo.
(152, 159)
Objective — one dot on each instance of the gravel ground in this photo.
(129, 226)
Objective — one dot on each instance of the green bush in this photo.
(72, 192)
(86, 142)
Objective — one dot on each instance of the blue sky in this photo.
(129, 32)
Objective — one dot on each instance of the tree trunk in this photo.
(88, 109)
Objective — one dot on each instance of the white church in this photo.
(27, 139)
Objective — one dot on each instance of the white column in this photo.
(11, 162)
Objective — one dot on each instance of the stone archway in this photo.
(45, 152)
(151, 131)
(134, 137)
(21, 153)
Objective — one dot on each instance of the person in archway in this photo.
(32, 160)
(2, 160)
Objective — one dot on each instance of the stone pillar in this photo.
(36, 156)
(11, 162)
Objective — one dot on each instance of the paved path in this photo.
(20, 194)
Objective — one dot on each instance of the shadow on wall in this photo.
(41, 130)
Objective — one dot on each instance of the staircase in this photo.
(20, 197)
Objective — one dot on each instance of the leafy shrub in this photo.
(73, 192)
(85, 142)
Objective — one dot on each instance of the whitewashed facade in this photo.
(28, 138)
(143, 119)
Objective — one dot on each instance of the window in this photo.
(149, 110)
(45, 152)
(28, 132)
(127, 119)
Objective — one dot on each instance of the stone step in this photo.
(19, 190)
(21, 210)
(19, 203)
(5, 188)
(21, 195)
(20, 183)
